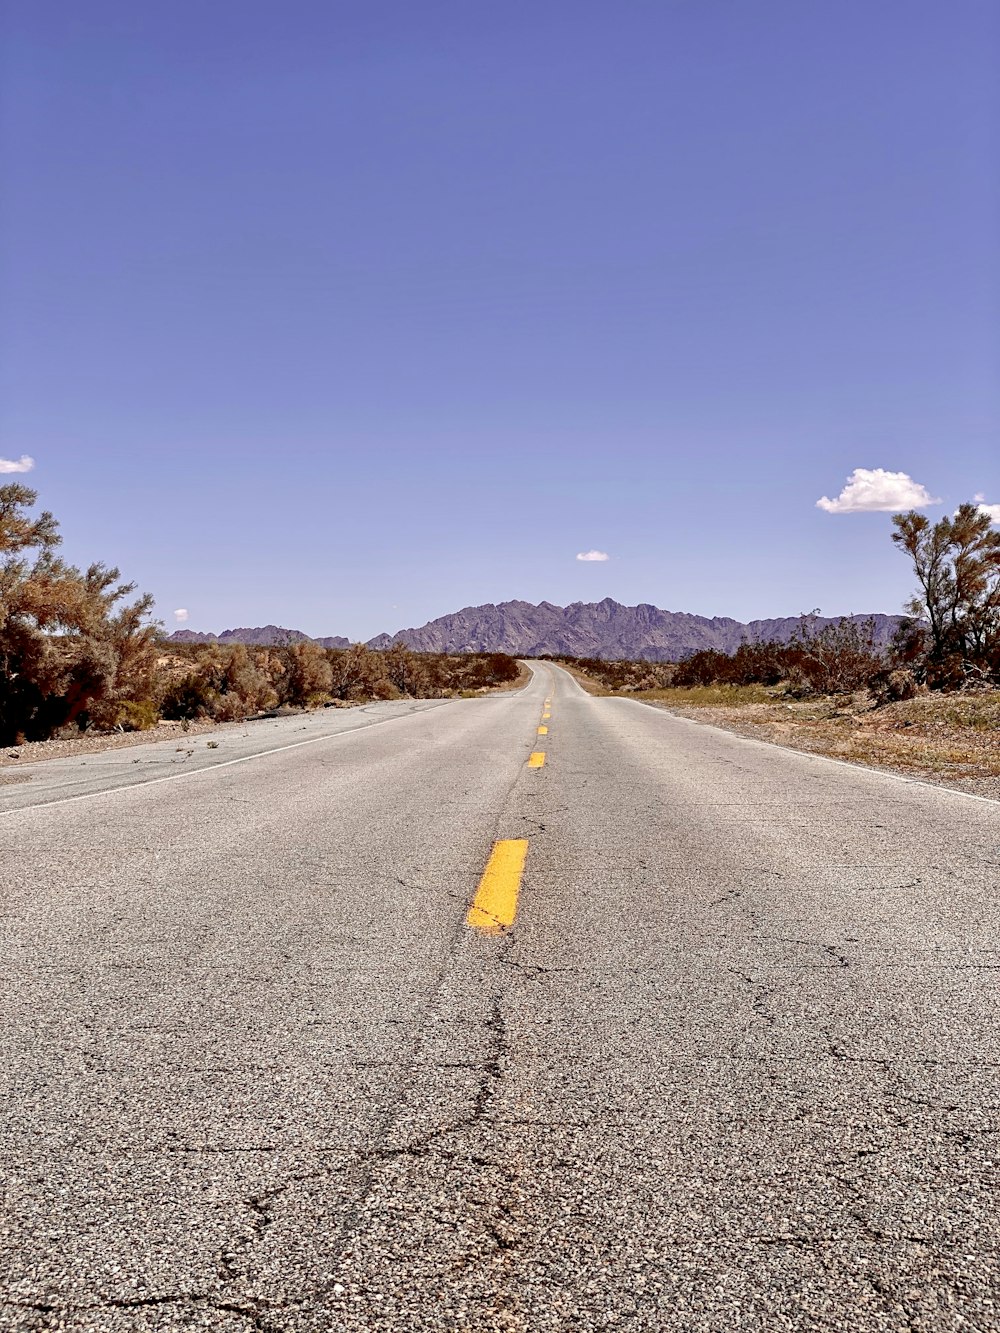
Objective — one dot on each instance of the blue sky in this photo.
(344, 316)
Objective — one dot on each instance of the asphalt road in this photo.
(734, 1066)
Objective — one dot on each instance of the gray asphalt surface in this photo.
(734, 1067)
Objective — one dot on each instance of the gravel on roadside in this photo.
(92, 743)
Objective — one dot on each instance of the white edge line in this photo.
(430, 704)
(211, 768)
(826, 758)
(804, 754)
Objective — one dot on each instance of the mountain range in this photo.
(583, 629)
(262, 636)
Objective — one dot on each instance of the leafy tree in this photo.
(72, 649)
(954, 630)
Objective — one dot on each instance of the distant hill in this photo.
(598, 629)
(583, 629)
(263, 636)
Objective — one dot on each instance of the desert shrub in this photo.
(226, 685)
(838, 659)
(247, 679)
(707, 667)
(355, 672)
(189, 698)
(227, 682)
(623, 674)
(501, 669)
(308, 675)
(130, 715)
(71, 645)
(406, 671)
(893, 684)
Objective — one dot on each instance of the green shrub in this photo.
(138, 715)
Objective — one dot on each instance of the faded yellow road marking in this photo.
(546, 716)
(543, 731)
(495, 904)
(536, 759)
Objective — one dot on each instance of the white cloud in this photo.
(992, 510)
(22, 464)
(181, 614)
(593, 555)
(875, 490)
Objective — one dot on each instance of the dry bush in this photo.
(227, 684)
(308, 675)
(837, 659)
(622, 675)
(356, 672)
(73, 650)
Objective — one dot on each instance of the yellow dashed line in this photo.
(495, 903)
(536, 759)
(543, 731)
(546, 716)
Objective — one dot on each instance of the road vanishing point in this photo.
(415, 1017)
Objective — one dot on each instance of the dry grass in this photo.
(952, 739)
(705, 696)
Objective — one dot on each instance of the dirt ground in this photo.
(946, 740)
(950, 739)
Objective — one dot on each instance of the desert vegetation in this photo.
(836, 658)
(226, 683)
(951, 637)
(79, 651)
(948, 641)
(928, 703)
(77, 648)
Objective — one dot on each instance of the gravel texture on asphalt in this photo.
(735, 1066)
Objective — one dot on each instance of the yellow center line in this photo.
(546, 716)
(543, 731)
(536, 759)
(495, 904)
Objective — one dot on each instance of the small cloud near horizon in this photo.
(593, 555)
(181, 614)
(874, 490)
(984, 508)
(22, 464)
